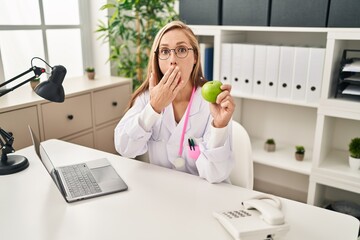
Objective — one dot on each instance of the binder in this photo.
(236, 67)
(209, 62)
(259, 70)
(301, 64)
(242, 68)
(286, 70)
(226, 56)
(315, 74)
(202, 55)
(272, 71)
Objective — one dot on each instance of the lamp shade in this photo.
(52, 89)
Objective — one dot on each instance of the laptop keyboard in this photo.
(80, 180)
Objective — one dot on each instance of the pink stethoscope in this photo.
(179, 162)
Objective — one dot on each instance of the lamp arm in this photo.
(38, 71)
(5, 91)
(16, 77)
(6, 146)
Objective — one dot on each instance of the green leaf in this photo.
(122, 35)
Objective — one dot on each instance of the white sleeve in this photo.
(218, 136)
(148, 117)
(134, 129)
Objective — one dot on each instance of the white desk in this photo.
(160, 204)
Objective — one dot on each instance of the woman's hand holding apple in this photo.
(223, 107)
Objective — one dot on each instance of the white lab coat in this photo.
(162, 142)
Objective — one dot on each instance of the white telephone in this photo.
(257, 218)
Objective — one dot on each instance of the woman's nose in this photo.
(172, 58)
(173, 61)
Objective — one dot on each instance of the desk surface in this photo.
(159, 204)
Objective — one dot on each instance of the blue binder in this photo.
(208, 65)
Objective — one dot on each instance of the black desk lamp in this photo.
(51, 90)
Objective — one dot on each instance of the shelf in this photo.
(275, 100)
(324, 127)
(337, 173)
(340, 108)
(282, 158)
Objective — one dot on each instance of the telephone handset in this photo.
(256, 218)
(270, 212)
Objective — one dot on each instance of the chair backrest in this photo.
(243, 172)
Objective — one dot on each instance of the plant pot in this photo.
(269, 147)
(354, 163)
(91, 75)
(33, 84)
(299, 156)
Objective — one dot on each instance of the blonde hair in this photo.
(153, 65)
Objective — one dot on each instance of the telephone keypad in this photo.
(237, 214)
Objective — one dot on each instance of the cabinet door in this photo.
(17, 122)
(86, 140)
(109, 104)
(69, 117)
(105, 138)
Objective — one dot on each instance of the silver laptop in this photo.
(81, 181)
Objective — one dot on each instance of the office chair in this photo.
(243, 173)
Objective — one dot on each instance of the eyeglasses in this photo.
(180, 52)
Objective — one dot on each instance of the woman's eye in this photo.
(164, 51)
(182, 49)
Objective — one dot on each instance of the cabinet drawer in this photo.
(86, 140)
(110, 103)
(17, 122)
(105, 138)
(71, 116)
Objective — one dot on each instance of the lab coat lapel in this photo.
(169, 120)
(195, 109)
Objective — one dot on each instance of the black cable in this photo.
(41, 60)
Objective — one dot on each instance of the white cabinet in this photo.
(109, 104)
(338, 122)
(16, 122)
(105, 138)
(67, 118)
(84, 139)
(109, 107)
(89, 107)
(324, 127)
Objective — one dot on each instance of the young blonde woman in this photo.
(169, 119)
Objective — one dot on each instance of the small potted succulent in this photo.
(90, 72)
(34, 82)
(270, 145)
(354, 153)
(299, 153)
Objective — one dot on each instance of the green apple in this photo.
(211, 90)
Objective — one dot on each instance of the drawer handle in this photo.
(70, 117)
(114, 104)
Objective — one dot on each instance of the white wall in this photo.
(100, 48)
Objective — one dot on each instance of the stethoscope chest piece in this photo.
(179, 163)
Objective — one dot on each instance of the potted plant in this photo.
(90, 72)
(354, 153)
(270, 145)
(34, 82)
(299, 153)
(130, 31)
